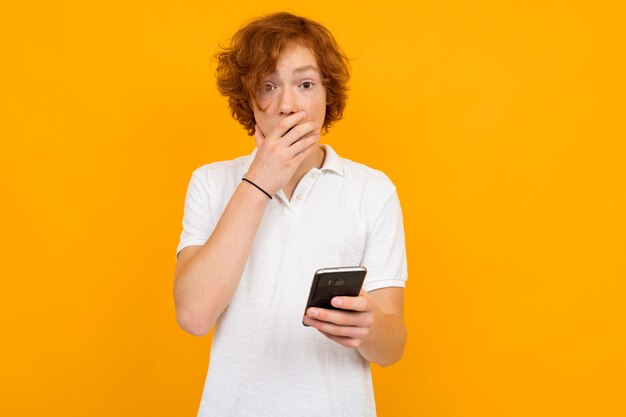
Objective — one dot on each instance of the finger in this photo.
(360, 303)
(301, 156)
(258, 136)
(287, 123)
(336, 330)
(299, 131)
(303, 144)
(342, 318)
(343, 341)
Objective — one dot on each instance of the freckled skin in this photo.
(291, 91)
(285, 92)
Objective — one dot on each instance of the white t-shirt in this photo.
(264, 361)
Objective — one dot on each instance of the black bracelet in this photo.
(247, 180)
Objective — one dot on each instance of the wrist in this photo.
(247, 192)
(255, 185)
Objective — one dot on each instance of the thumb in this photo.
(258, 136)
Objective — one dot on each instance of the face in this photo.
(295, 85)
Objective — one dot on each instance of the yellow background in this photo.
(501, 123)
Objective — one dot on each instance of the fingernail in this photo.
(303, 113)
(313, 313)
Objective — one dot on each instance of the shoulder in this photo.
(372, 179)
(375, 192)
(221, 170)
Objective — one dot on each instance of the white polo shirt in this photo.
(264, 361)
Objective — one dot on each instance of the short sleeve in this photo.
(384, 255)
(198, 222)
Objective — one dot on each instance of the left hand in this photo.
(348, 328)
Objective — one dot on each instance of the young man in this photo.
(256, 228)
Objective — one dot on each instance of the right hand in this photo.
(280, 153)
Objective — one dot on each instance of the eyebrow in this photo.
(302, 69)
(305, 68)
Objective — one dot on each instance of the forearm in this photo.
(205, 286)
(385, 345)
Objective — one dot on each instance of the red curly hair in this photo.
(254, 52)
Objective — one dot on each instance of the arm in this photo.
(206, 278)
(375, 327)
(205, 283)
(385, 344)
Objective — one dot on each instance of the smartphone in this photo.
(333, 282)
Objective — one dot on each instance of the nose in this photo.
(288, 102)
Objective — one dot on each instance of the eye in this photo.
(308, 83)
(267, 87)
